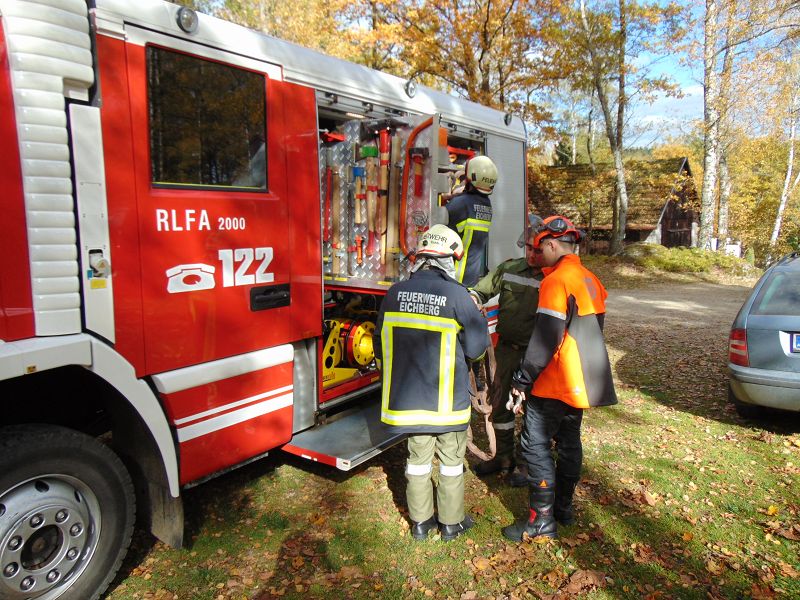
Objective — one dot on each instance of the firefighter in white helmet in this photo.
(427, 331)
(470, 214)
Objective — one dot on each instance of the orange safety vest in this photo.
(579, 373)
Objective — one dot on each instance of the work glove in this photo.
(520, 381)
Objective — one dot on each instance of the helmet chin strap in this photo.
(447, 265)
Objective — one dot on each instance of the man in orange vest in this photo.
(565, 370)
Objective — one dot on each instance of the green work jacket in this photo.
(518, 286)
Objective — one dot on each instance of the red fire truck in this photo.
(200, 223)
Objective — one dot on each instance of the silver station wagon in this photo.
(764, 344)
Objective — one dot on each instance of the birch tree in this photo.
(748, 26)
(793, 117)
(602, 47)
(711, 94)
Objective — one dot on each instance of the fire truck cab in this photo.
(201, 222)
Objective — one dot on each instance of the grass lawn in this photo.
(680, 498)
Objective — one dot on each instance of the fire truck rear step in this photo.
(348, 441)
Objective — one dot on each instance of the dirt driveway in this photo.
(673, 337)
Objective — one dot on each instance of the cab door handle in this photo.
(270, 296)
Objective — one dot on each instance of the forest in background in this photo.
(577, 70)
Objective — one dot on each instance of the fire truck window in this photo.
(207, 123)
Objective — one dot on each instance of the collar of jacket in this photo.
(567, 258)
(433, 272)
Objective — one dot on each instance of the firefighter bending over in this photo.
(517, 282)
(470, 214)
(565, 370)
(427, 330)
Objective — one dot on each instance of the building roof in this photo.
(575, 191)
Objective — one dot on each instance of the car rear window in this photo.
(780, 295)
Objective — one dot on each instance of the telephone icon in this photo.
(190, 278)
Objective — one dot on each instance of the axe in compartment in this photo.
(384, 143)
(370, 154)
(337, 244)
(351, 224)
(328, 138)
(358, 175)
(383, 129)
(392, 227)
(418, 156)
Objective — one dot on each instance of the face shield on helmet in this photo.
(482, 173)
(557, 227)
(534, 222)
(440, 242)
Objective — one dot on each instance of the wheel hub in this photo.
(48, 532)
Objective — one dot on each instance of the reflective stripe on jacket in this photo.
(426, 330)
(567, 357)
(470, 214)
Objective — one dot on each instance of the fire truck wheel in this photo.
(66, 514)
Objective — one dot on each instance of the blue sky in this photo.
(669, 117)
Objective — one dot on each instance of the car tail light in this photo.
(737, 348)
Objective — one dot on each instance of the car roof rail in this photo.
(791, 257)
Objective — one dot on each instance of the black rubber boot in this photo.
(451, 532)
(519, 478)
(419, 531)
(494, 465)
(540, 522)
(563, 510)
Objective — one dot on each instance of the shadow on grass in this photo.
(199, 503)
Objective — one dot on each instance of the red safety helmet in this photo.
(556, 227)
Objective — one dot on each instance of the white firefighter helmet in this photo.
(440, 241)
(482, 173)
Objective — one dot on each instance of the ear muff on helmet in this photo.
(557, 227)
(482, 173)
(440, 241)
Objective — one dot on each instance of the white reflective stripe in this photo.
(234, 418)
(503, 426)
(225, 407)
(418, 469)
(527, 281)
(170, 382)
(452, 470)
(552, 313)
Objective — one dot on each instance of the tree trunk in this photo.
(589, 144)
(788, 185)
(723, 124)
(614, 131)
(711, 92)
(725, 188)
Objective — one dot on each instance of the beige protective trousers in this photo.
(449, 448)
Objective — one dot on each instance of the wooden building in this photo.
(663, 203)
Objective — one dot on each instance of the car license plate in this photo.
(795, 346)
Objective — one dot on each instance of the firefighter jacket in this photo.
(518, 285)
(427, 329)
(567, 358)
(470, 214)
